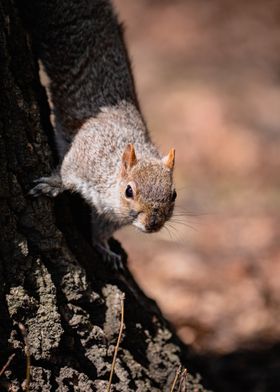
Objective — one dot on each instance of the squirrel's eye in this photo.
(129, 192)
(174, 195)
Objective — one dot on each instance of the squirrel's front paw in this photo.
(111, 258)
(47, 186)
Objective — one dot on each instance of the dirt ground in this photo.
(208, 80)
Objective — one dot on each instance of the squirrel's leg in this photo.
(48, 186)
(52, 186)
(102, 230)
(111, 258)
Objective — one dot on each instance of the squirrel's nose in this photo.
(154, 223)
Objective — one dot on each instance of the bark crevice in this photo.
(51, 280)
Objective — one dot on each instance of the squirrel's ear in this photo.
(128, 159)
(169, 159)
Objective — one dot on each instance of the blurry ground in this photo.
(208, 79)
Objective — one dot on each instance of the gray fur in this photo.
(97, 115)
(81, 46)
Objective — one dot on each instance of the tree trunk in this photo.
(60, 305)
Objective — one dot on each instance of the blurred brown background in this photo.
(208, 79)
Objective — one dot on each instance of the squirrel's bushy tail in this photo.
(80, 44)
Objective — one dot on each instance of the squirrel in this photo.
(106, 153)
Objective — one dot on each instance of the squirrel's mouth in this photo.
(146, 228)
(139, 225)
(152, 230)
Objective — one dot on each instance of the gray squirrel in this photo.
(106, 154)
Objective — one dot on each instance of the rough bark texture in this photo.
(51, 281)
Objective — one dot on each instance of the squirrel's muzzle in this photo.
(153, 224)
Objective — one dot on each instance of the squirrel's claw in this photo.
(111, 258)
(47, 186)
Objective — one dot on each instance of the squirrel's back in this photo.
(81, 47)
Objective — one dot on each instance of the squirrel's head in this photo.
(147, 190)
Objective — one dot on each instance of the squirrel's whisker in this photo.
(184, 224)
(168, 231)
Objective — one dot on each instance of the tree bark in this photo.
(60, 305)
